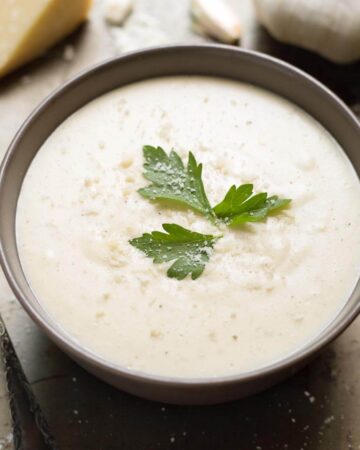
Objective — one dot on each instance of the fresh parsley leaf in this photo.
(233, 198)
(240, 205)
(190, 250)
(172, 181)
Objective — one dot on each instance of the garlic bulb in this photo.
(216, 18)
(328, 27)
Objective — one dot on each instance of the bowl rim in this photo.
(72, 346)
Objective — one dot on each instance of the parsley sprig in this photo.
(240, 205)
(171, 180)
(190, 250)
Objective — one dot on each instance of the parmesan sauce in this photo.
(269, 288)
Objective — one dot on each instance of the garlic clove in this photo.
(217, 19)
(117, 11)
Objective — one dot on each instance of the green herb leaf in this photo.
(240, 205)
(190, 250)
(172, 181)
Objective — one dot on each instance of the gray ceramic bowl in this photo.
(220, 61)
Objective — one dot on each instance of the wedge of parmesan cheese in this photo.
(29, 27)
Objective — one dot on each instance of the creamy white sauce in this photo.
(269, 287)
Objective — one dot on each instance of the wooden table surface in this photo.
(318, 409)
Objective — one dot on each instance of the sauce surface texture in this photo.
(269, 287)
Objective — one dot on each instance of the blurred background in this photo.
(317, 409)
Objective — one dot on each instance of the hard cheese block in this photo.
(29, 27)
